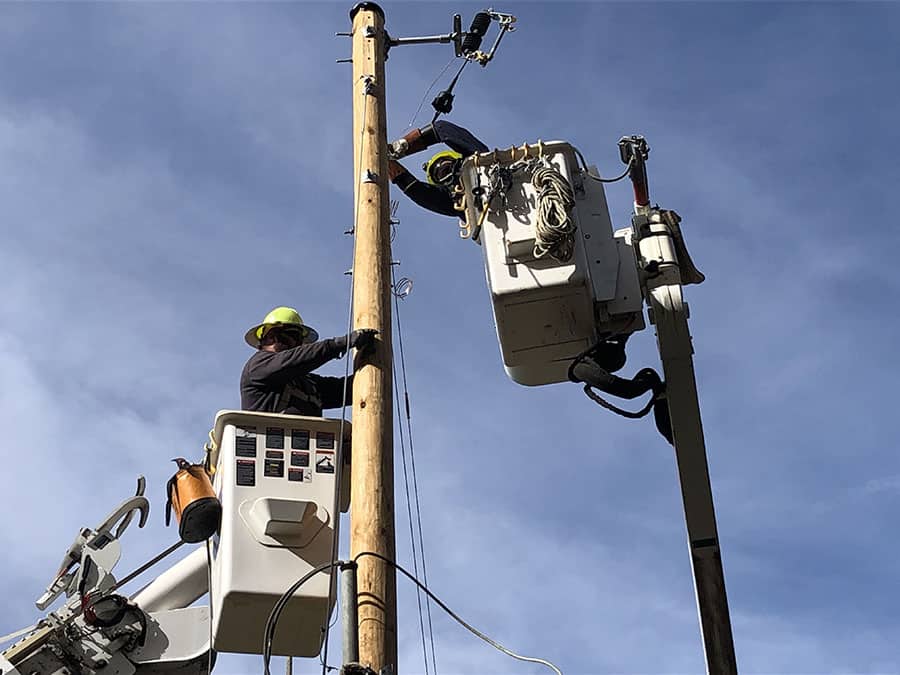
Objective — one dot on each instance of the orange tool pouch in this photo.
(197, 509)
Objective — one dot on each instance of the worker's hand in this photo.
(363, 340)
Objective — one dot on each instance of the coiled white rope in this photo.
(554, 229)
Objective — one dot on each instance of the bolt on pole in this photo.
(372, 472)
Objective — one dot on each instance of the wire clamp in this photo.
(370, 177)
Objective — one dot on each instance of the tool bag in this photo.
(197, 509)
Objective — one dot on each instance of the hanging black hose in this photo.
(593, 368)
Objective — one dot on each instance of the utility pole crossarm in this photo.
(372, 497)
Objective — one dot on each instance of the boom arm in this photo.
(665, 266)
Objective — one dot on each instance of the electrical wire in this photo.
(428, 91)
(412, 455)
(477, 633)
(598, 178)
(409, 512)
(278, 608)
(449, 90)
(275, 614)
(209, 581)
(339, 459)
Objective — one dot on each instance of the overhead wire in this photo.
(412, 456)
(339, 459)
(412, 538)
(428, 91)
(449, 91)
(409, 509)
(275, 614)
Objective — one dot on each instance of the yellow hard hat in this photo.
(280, 316)
(429, 165)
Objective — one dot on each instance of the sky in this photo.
(170, 172)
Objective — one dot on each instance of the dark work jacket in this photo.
(283, 382)
(437, 198)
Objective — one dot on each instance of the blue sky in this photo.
(169, 172)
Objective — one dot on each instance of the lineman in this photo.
(278, 377)
(442, 170)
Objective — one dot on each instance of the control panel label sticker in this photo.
(299, 439)
(275, 438)
(245, 446)
(325, 440)
(324, 462)
(245, 472)
(299, 459)
(274, 468)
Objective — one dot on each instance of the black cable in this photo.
(209, 581)
(621, 176)
(443, 102)
(454, 616)
(428, 91)
(412, 537)
(620, 411)
(412, 455)
(275, 614)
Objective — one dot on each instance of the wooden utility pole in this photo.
(372, 491)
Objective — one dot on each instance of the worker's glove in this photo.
(363, 340)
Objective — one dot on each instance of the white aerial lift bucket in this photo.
(276, 477)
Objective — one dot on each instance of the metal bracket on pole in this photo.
(370, 177)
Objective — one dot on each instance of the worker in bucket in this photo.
(278, 377)
(442, 170)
